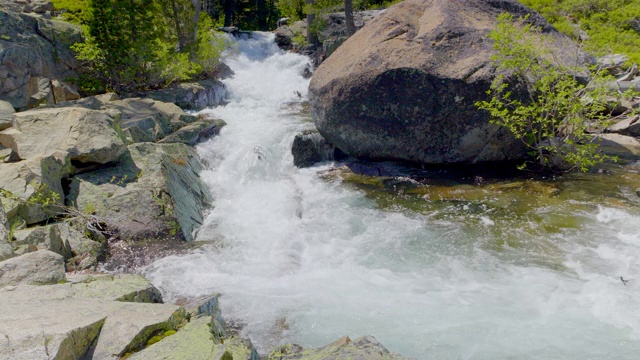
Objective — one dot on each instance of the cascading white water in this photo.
(302, 259)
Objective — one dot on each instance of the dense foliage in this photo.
(136, 44)
(556, 110)
(611, 26)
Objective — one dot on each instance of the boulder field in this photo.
(404, 86)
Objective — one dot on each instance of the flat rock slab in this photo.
(37, 268)
(63, 321)
(88, 135)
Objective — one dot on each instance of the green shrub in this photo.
(612, 26)
(553, 121)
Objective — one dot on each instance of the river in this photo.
(434, 269)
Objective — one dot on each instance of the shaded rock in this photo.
(6, 250)
(33, 52)
(363, 348)
(310, 147)
(89, 136)
(147, 120)
(153, 192)
(194, 96)
(27, 6)
(6, 115)
(88, 321)
(130, 328)
(40, 238)
(404, 86)
(196, 132)
(37, 268)
(31, 189)
(624, 147)
(628, 126)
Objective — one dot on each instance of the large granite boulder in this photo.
(89, 136)
(404, 86)
(27, 6)
(36, 268)
(35, 59)
(89, 317)
(153, 192)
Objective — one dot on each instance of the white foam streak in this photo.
(303, 259)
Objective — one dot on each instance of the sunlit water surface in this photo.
(497, 270)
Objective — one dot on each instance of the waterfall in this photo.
(305, 259)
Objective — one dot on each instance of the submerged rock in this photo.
(310, 147)
(404, 86)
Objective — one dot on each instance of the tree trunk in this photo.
(228, 12)
(311, 16)
(348, 14)
(197, 5)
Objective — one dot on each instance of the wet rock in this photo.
(153, 192)
(310, 147)
(36, 268)
(6, 115)
(363, 348)
(196, 132)
(404, 86)
(88, 136)
(33, 52)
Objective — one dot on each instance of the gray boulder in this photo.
(147, 120)
(27, 6)
(6, 250)
(363, 348)
(89, 136)
(626, 148)
(404, 86)
(40, 238)
(154, 192)
(196, 132)
(32, 189)
(33, 53)
(91, 319)
(69, 240)
(6, 115)
(310, 147)
(36, 268)
(192, 96)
